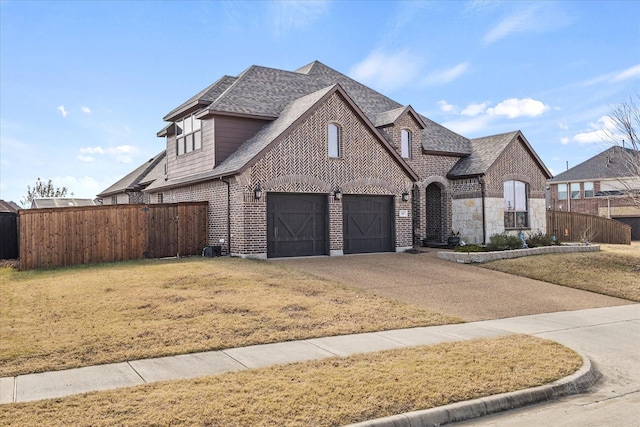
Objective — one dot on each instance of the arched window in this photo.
(405, 144)
(333, 136)
(516, 212)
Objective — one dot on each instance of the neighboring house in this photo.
(8, 206)
(60, 202)
(129, 188)
(605, 185)
(312, 162)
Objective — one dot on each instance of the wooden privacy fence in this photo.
(577, 227)
(83, 235)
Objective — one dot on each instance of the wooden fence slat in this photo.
(574, 227)
(56, 237)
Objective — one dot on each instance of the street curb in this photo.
(580, 381)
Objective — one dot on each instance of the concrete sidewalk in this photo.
(620, 325)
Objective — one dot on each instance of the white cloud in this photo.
(122, 153)
(598, 132)
(84, 187)
(388, 71)
(86, 110)
(539, 18)
(446, 107)
(519, 22)
(285, 16)
(446, 76)
(468, 126)
(64, 112)
(564, 141)
(563, 125)
(514, 107)
(615, 76)
(474, 109)
(85, 159)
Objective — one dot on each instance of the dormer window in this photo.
(405, 144)
(188, 135)
(333, 139)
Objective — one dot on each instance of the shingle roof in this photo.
(60, 202)
(137, 179)
(204, 97)
(485, 151)
(609, 164)
(8, 206)
(250, 149)
(437, 139)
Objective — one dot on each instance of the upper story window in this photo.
(588, 189)
(516, 213)
(188, 135)
(562, 191)
(333, 137)
(575, 190)
(405, 144)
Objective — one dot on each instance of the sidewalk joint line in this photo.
(137, 373)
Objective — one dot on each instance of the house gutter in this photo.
(484, 222)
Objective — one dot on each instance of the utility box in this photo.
(212, 251)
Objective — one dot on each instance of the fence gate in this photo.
(8, 235)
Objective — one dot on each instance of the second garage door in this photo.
(368, 224)
(296, 225)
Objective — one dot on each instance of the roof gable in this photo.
(391, 117)
(609, 164)
(254, 148)
(138, 178)
(486, 151)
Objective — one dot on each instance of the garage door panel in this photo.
(296, 225)
(368, 224)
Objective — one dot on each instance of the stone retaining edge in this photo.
(480, 257)
(580, 381)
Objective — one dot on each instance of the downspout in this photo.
(228, 215)
(484, 222)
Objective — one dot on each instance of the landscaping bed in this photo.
(482, 257)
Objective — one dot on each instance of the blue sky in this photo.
(84, 84)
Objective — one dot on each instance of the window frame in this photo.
(405, 143)
(588, 193)
(334, 141)
(575, 194)
(563, 195)
(188, 135)
(516, 217)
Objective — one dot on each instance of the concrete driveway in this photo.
(469, 292)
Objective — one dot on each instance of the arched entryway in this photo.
(434, 215)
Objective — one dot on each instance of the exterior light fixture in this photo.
(405, 196)
(337, 194)
(257, 193)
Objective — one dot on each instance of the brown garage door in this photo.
(296, 225)
(368, 224)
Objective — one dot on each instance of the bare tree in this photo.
(625, 123)
(42, 189)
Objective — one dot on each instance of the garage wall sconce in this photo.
(257, 193)
(405, 196)
(337, 194)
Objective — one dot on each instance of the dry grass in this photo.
(71, 317)
(329, 392)
(613, 271)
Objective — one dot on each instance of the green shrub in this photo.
(504, 242)
(469, 248)
(538, 239)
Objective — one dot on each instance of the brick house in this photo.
(312, 162)
(604, 185)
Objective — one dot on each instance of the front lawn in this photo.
(613, 271)
(329, 392)
(70, 317)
